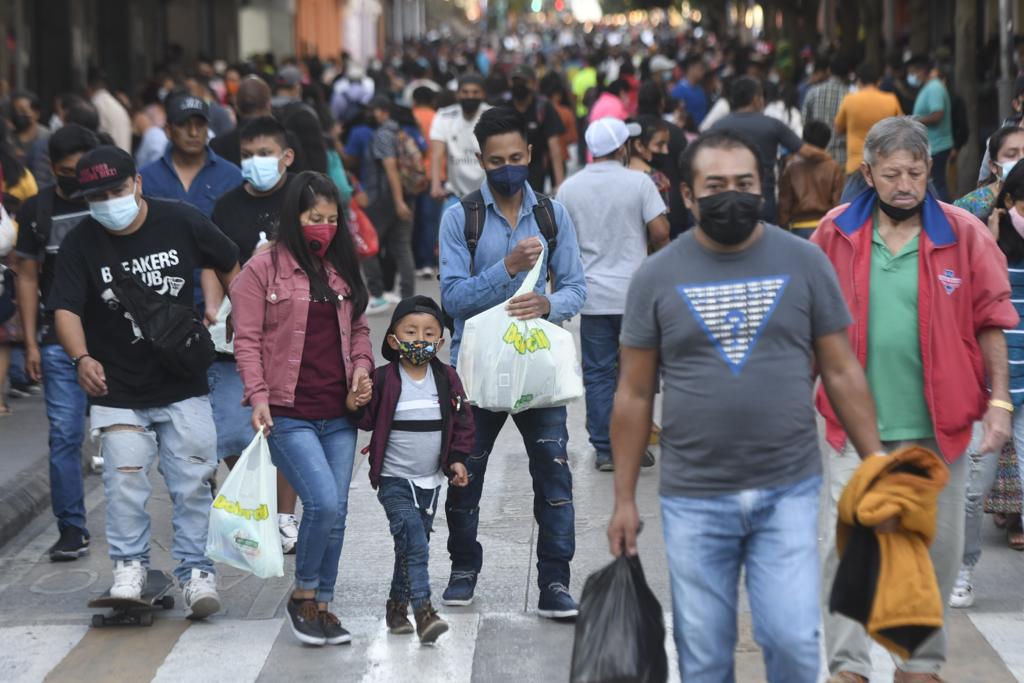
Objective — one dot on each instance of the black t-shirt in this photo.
(43, 249)
(242, 216)
(229, 146)
(174, 240)
(542, 124)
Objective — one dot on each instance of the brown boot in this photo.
(429, 626)
(908, 677)
(847, 677)
(398, 618)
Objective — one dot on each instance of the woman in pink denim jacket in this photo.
(303, 350)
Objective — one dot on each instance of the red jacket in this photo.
(963, 289)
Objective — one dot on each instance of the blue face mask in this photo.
(913, 81)
(509, 179)
(1006, 167)
(115, 214)
(261, 172)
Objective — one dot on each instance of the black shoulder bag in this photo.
(179, 338)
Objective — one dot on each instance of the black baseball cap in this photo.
(103, 168)
(182, 106)
(414, 304)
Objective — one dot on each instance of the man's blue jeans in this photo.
(545, 437)
(65, 409)
(773, 534)
(599, 340)
(316, 458)
(425, 230)
(410, 512)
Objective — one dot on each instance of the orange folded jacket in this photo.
(886, 581)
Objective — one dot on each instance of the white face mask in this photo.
(261, 172)
(1006, 167)
(116, 214)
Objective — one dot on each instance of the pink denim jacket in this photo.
(269, 309)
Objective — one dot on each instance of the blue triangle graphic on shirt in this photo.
(733, 314)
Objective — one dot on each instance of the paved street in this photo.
(45, 632)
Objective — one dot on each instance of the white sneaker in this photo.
(426, 273)
(129, 580)
(377, 306)
(201, 599)
(289, 527)
(392, 297)
(963, 592)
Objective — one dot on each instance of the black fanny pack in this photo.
(179, 338)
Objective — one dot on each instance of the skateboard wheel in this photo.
(146, 619)
(167, 602)
(98, 620)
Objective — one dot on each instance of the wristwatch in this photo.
(78, 359)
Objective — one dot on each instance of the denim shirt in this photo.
(465, 294)
(217, 176)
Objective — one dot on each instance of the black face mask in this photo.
(659, 160)
(729, 217)
(470, 105)
(898, 213)
(520, 91)
(68, 184)
(21, 122)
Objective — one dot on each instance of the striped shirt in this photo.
(822, 104)
(1015, 338)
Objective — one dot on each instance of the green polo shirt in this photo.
(895, 372)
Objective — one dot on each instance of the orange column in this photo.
(318, 27)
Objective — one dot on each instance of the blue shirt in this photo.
(358, 145)
(216, 177)
(465, 294)
(694, 97)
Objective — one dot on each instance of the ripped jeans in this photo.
(545, 438)
(183, 435)
(410, 512)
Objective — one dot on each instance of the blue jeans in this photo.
(545, 438)
(316, 458)
(183, 436)
(773, 533)
(425, 229)
(234, 426)
(411, 518)
(599, 340)
(17, 373)
(939, 163)
(66, 410)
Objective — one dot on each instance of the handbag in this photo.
(363, 233)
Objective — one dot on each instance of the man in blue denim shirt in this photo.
(509, 245)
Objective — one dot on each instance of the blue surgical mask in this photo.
(1006, 167)
(115, 214)
(913, 81)
(261, 172)
(508, 179)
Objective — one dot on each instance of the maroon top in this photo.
(322, 387)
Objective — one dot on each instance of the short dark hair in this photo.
(33, 99)
(920, 62)
(743, 91)
(817, 133)
(423, 95)
(619, 86)
(264, 126)
(84, 114)
(650, 99)
(715, 139)
(691, 59)
(499, 121)
(868, 73)
(838, 66)
(69, 139)
(472, 79)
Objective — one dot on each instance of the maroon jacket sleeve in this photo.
(463, 427)
(366, 417)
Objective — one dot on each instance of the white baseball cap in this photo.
(606, 135)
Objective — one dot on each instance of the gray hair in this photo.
(896, 134)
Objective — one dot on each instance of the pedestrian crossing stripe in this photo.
(733, 314)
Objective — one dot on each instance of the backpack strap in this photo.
(44, 218)
(544, 214)
(475, 210)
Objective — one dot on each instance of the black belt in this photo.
(416, 426)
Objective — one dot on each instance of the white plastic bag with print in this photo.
(243, 520)
(510, 365)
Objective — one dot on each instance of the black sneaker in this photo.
(304, 616)
(72, 544)
(334, 633)
(556, 602)
(461, 585)
(648, 460)
(603, 462)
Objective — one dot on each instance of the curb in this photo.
(23, 498)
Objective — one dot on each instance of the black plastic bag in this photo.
(620, 631)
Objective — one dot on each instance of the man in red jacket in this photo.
(927, 289)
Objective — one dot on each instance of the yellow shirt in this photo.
(858, 112)
(23, 189)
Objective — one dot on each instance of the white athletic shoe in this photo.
(963, 591)
(201, 599)
(378, 306)
(392, 297)
(129, 580)
(289, 527)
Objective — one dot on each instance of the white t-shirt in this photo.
(452, 128)
(612, 233)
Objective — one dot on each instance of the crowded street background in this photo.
(746, 274)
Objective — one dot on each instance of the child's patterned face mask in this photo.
(418, 352)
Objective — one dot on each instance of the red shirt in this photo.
(321, 390)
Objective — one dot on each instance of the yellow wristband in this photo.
(1005, 405)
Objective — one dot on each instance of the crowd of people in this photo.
(729, 224)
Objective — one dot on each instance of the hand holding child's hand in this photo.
(361, 392)
(460, 477)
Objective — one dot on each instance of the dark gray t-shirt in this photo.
(735, 334)
(765, 132)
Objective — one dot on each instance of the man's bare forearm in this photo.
(993, 350)
(28, 299)
(70, 333)
(851, 398)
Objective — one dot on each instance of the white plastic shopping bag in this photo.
(243, 520)
(219, 330)
(510, 365)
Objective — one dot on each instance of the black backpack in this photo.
(179, 339)
(476, 214)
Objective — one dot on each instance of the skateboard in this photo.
(136, 612)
